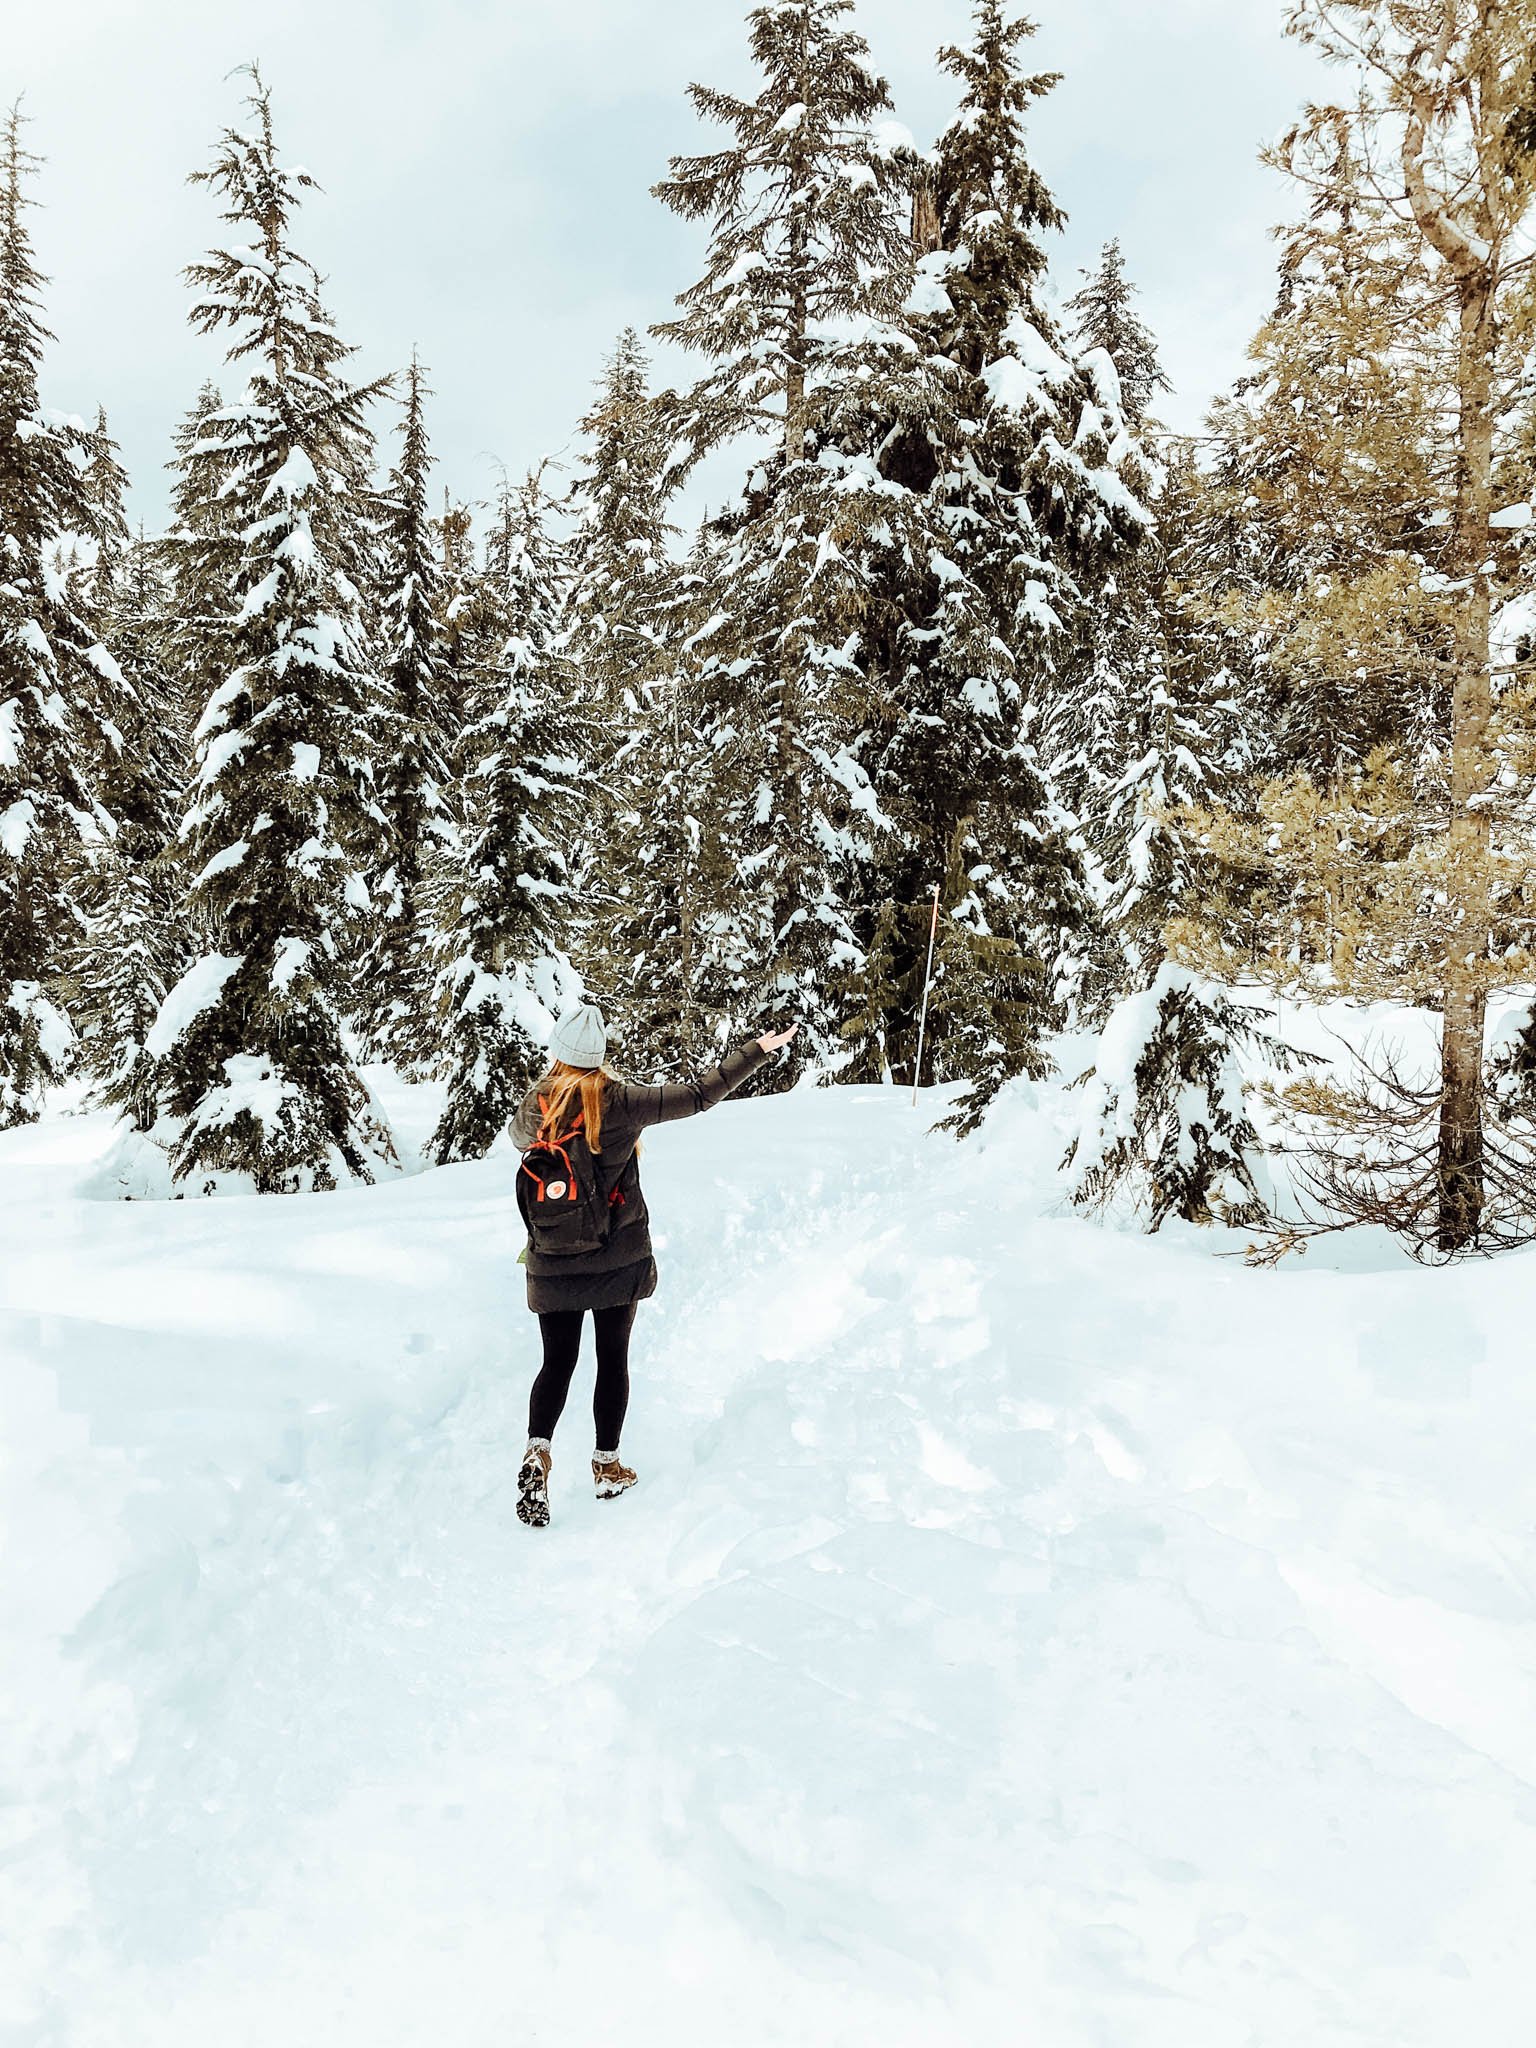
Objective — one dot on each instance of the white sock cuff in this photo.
(538, 1443)
(605, 1457)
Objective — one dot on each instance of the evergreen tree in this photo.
(1164, 1120)
(256, 1072)
(1104, 317)
(1143, 846)
(459, 575)
(134, 750)
(1006, 514)
(1133, 732)
(202, 553)
(503, 906)
(670, 966)
(645, 900)
(51, 670)
(104, 487)
(1053, 510)
(1118, 659)
(620, 568)
(1323, 466)
(1395, 850)
(414, 774)
(804, 266)
(135, 939)
(126, 889)
(468, 643)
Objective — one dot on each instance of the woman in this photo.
(579, 1128)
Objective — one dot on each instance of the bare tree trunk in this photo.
(789, 650)
(1473, 259)
(927, 234)
(685, 888)
(791, 794)
(795, 262)
(1460, 1167)
(794, 387)
(797, 343)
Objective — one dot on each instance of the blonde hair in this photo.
(557, 1093)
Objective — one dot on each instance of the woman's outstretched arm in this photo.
(668, 1101)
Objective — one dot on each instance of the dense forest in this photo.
(340, 768)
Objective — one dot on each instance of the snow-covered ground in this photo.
(1024, 1632)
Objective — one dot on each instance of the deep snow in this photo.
(1023, 1632)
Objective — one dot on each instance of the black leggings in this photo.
(561, 1331)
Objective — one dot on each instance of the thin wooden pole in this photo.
(922, 1029)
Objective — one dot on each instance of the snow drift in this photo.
(1022, 1631)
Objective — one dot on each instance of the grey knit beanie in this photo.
(581, 1039)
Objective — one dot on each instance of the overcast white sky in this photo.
(487, 165)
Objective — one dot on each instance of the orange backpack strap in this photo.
(565, 1138)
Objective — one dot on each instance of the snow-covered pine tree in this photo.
(104, 485)
(201, 549)
(802, 280)
(466, 640)
(1136, 740)
(1321, 465)
(621, 572)
(1163, 1117)
(80, 558)
(620, 582)
(645, 897)
(504, 905)
(1398, 862)
(136, 942)
(136, 741)
(671, 970)
(256, 1073)
(138, 631)
(397, 973)
(52, 674)
(1164, 1120)
(1013, 514)
(1133, 732)
(1142, 843)
(1100, 681)
(1104, 317)
(127, 888)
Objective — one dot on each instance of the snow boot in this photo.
(533, 1486)
(608, 1476)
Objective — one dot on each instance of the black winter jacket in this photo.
(623, 1269)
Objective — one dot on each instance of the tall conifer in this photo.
(52, 673)
(135, 941)
(104, 486)
(256, 1071)
(504, 903)
(620, 569)
(1007, 511)
(645, 902)
(803, 273)
(413, 771)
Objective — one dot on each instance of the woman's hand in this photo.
(772, 1040)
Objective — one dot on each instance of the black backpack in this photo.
(559, 1195)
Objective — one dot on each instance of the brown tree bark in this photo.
(1460, 1164)
(1463, 229)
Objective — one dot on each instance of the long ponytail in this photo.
(558, 1092)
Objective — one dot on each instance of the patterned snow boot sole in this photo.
(533, 1488)
(610, 1478)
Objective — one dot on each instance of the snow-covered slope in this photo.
(1024, 1632)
